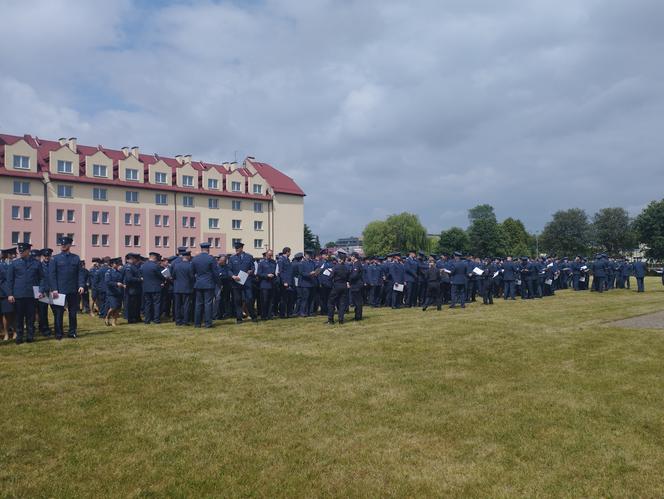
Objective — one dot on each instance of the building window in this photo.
(27, 213)
(127, 218)
(104, 217)
(16, 212)
(127, 240)
(236, 241)
(258, 189)
(70, 216)
(236, 205)
(104, 239)
(95, 217)
(165, 241)
(160, 177)
(27, 237)
(185, 221)
(258, 243)
(217, 242)
(185, 241)
(235, 186)
(157, 241)
(213, 203)
(213, 184)
(137, 219)
(236, 224)
(165, 220)
(64, 191)
(192, 242)
(15, 237)
(157, 220)
(258, 225)
(187, 181)
(100, 171)
(21, 162)
(160, 199)
(131, 174)
(192, 222)
(213, 223)
(95, 239)
(59, 215)
(21, 187)
(131, 197)
(258, 207)
(99, 194)
(64, 166)
(137, 240)
(188, 201)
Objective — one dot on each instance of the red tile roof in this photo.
(279, 182)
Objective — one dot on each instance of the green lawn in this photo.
(537, 398)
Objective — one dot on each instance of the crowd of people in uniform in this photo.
(197, 290)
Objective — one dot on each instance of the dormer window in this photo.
(236, 186)
(258, 189)
(131, 174)
(21, 162)
(187, 180)
(213, 184)
(160, 178)
(100, 171)
(65, 166)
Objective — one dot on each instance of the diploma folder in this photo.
(60, 300)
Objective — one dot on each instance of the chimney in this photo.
(187, 159)
(62, 141)
(72, 144)
(134, 151)
(125, 151)
(232, 166)
(179, 159)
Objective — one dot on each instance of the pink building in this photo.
(116, 201)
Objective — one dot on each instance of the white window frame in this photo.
(213, 223)
(16, 209)
(158, 175)
(213, 184)
(132, 177)
(158, 197)
(187, 180)
(97, 170)
(64, 166)
(236, 224)
(21, 162)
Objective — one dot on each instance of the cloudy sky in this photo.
(373, 106)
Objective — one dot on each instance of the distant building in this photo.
(117, 201)
(346, 242)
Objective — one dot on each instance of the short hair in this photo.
(286, 249)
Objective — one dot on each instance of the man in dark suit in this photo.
(205, 279)
(153, 281)
(66, 277)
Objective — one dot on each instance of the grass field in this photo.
(537, 398)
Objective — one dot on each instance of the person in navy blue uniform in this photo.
(267, 274)
(490, 269)
(599, 270)
(6, 308)
(133, 289)
(205, 281)
(66, 277)
(509, 272)
(242, 294)
(286, 284)
(432, 279)
(340, 285)
(182, 273)
(224, 306)
(640, 270)
(85, 297)
(458, 278)
(356, 284)
(627, 271)
(114, 282)
(410, 267)
(306, 274)
(24, 273)
(42, 307)
(397, 276)
(153, 281)
(324, 274)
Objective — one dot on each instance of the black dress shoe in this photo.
(58, 337)
(72, 335)
(328, 322)
(239, 321)
(341, 322)
(29, 340)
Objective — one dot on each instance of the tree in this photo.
(612, 230)
(649, 226)
(454, 239)
(330, 244)
(311, 241)
(486, 237)
(481, 212)
(567, 233)
(517, 240)
(402, 232)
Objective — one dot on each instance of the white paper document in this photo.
(550, 265)
(548, 282)
(582, 279)
(478, 271)
(398, 287)
(585, 267)
(166, 273)
(518, 282)
(243, 276)
(60, 300)
(296, 281)
(496, 274)
(327, 272)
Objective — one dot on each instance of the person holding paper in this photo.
(66, 277)
(242, 293)
(206, 275)
(23, 275)
(398, 279)
(324, 272)
(115, 286)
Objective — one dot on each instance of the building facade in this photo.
(117, 201)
